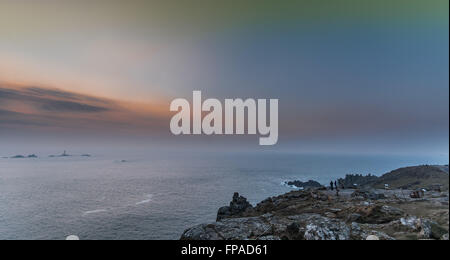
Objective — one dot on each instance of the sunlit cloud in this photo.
(373, 70)
(39, 107)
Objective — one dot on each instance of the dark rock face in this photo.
(305, 185)
(237, 206)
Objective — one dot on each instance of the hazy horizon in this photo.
(351, 77)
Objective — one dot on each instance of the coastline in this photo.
(363, 213)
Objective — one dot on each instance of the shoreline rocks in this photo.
(304, 185)
(317, 215)
(238, 205)
(321, 214)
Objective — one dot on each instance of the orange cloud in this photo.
(40, 107)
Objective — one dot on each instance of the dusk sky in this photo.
(351, 76)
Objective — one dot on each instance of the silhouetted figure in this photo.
(331, 185)
(335, 184)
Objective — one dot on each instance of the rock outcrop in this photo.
(237, 206)
(320, 215)
(429, 177)
(354, 181)
(418, 177)
(366, 213)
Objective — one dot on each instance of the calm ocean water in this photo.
(154, 196)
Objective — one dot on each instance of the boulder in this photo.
(411, 222)
(321, 228)
(431, 230)
(426, 228)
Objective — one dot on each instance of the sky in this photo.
(351, 76)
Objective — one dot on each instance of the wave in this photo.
(94, 211)
(285, 183)
(147, 200)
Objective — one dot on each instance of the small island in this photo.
(23, 157)
(64, 154)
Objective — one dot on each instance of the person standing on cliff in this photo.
(331, 185)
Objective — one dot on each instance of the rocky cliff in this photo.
(317, 214)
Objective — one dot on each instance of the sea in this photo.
(155, 195)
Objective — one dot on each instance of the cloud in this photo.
(54, 100)
(33, 108)
(38, 91)
(8, 118)
(67, 106)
